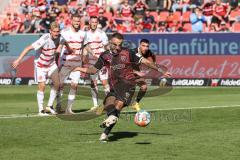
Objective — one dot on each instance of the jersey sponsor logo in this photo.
(118, 67)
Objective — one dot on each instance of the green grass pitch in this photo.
(205, 127)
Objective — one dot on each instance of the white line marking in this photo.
(12, 116)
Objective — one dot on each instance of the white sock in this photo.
(94, 92)
(71, 98)
(107, 89)
(52, 97)
(40, 98)
(58, 97)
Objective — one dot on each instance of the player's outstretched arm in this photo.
(24, 52)
(90, 70)
(152, 65)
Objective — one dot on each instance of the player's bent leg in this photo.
(113, 115)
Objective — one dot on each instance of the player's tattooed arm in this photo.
(24, 52)
(90, 70)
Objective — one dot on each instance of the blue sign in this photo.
(13, 45)
(189, 43)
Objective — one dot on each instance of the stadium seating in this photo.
(159, 15)
(236, 27)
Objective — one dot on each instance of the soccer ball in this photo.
(142, 118)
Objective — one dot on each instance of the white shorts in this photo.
(101, 75)
(75, 76)
(41, 74)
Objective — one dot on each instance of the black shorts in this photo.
(123, 92)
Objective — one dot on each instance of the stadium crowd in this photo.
(127, 16)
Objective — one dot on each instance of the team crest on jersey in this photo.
(123, 58)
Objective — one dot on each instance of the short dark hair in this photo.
(117, 35)
(76, 15)
(93, 17)
(144, 41)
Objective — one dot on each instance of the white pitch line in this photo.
(172, 109)
(12, 116)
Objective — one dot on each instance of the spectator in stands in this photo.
(129, 25)
(42, 5)
(175, 27)
(36, 23)
(45, 24)
(161, 27)
(82, 2)
(27, 24)
(125, 9)
(180, 4)
(16, 23)
(24, 7)
(207, 8)
(111, 26)
(148, 22)
(53, 10)
(139, 9)
(220, 12)
(197, 19)
(138, 27)
(223, 27)
(92, 8)
(7, 24)
(213, 27)
(102, 20)
(61, 22)
(80, 10)
(118, 17)
(31, 7)
(167, 4)
(196, 3)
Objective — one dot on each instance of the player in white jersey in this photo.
(96, 41)
(70, 59)
(46, 46)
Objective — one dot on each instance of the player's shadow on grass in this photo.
(121, 135)
(115, 136)
(80, 110)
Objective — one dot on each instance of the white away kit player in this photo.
(46, 66)
(96, 41)
(71, 59)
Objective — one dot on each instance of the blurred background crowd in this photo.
(124, 16)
